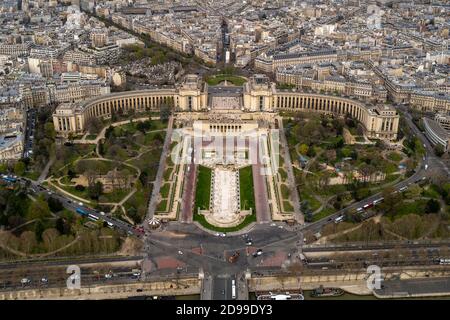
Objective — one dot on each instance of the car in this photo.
(367, 206)
(136, 274)
(375, 202)
(102, 213)
(140, 229)
(180, 252)
(259, 252)
(44, 280)
(80, 203)
(233, 257)
(249, 243)
(108, 275)
(25, 281)
(223, 235)
(273, 224)
(217, 234)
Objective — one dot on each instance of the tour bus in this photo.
(92, 217)
(233, 289)
(81, 211)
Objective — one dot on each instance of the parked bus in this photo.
(92, 217)
(81, 212)
(233, 289)
(339, 219)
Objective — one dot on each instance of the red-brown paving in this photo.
(168, 263)
(274, 261)
(197, 250)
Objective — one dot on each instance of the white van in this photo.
(339, 219)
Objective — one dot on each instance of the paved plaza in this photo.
(226, 103)
(225, 191)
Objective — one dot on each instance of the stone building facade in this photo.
(258, 95)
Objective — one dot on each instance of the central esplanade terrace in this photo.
(257, 95)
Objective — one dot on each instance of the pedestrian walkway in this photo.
(154, 199)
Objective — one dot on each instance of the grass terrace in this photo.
(246, 188)
(235, 80)
(203, 191)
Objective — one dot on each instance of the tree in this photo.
(38, 230)
(28, 241)
(80, 187)
(38, 209)
(93, 125)
(49, 130)
(3, 167)
(391, 199)
(439, 150)
(144, 126)
(63, 226)
(432, 206)
(54, 204)
(164, 112)
(19, 168)
(71, 137)
(49, 237)
(413, 191)
(303, 149)
(95, 190)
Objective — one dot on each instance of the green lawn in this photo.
(288, 206)
(323, 213)
(203, 191)
(215, 80)
(167, 173)
(246, 188)
(390, 168)
(33, 175)
(283, 174)
(314, 204)
(391, 177)
(162, 206)
(201, 219)
(165, 190)
(430, 191)
(285, 192)
(394, 156)
(115, 196)
(417, 207)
